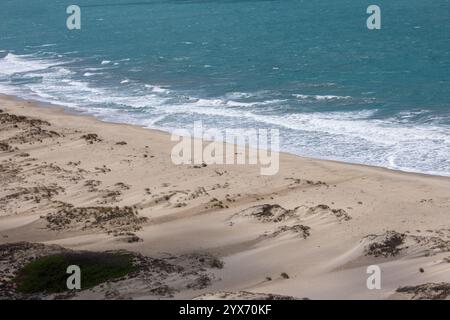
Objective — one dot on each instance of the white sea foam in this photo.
(350, 124)
(43, 45)
(320, 97)
(12, 64)
(91, 74)
(350, 136)
(157, 89)
(94, 69)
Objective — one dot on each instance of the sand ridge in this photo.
(308, 232)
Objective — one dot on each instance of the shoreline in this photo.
(69, 111)
(74, 182)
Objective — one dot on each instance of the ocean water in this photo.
(311, 69)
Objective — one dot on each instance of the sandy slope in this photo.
(309, 232)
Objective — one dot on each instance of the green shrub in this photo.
(48, 274)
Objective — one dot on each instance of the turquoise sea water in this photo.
(333, 88)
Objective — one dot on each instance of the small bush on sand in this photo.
(48, 274)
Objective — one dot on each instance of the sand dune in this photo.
(71, 182)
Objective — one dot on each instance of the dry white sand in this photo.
(309, 231)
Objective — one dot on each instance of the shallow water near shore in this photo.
(334, 89)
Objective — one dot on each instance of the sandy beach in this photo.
(72, 182)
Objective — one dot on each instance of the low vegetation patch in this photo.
(386, 245)
(427, 291)
(48, 274)
(117, 220)
(91, 138)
